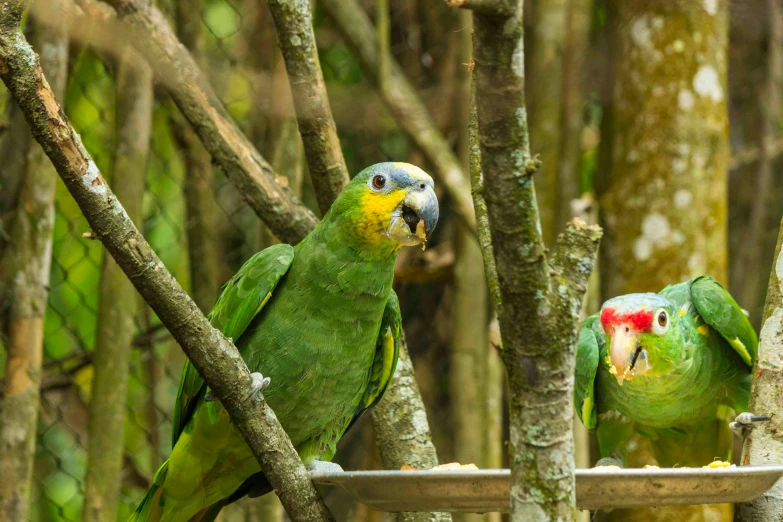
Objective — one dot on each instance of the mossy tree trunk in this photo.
(662, 193)
(117, 308)
(540, 292)
(662, 190)
(31, 246)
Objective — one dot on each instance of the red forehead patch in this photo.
(638, 321)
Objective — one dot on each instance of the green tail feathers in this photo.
(150, 509)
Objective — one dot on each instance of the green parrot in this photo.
(323, 324)
(670, 367)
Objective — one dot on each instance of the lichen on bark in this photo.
(765, 443)
(662, 185)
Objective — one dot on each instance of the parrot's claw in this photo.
(322, 466)
(609, 462)
(744, 422)
(259, 382)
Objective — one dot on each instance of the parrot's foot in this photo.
(322, 466)
(744, 423)
(259, 382)
(609, 462)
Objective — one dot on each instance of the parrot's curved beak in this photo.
(627, 356)
(416, 217)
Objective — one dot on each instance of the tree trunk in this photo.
(31, 247)
(662, 195)
(541, 293)
(765, 443)
(663, 202)
(116, 309)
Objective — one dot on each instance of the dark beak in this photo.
(420, 209)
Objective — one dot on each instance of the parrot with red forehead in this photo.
(670, 367)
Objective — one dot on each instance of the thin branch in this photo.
(214, 356)
(294, 23)
(115, 315)
(480, 204)
(540, 297)
(403, 102)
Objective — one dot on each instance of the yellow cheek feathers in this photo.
(377, 209)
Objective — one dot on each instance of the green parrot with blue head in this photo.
(670, 367)
(322, 323)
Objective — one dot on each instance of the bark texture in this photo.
(144, 26)
(294, 23)
(28, 265)
(765, 444)
(214, 356)
(662, 175)
(402, 430)
(662, 192)
(541, 294)
(116, 308)
(403, 102)
(199, 196)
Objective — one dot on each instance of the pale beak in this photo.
(622, 353)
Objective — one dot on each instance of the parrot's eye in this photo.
(379, 182)
(662, 322)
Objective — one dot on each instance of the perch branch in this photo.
(214, 356)
(294, 23)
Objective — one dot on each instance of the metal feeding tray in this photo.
(597, 488)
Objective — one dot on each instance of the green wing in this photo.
(240, 300)
(588, 351)
(386, 353)
(721, 311)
